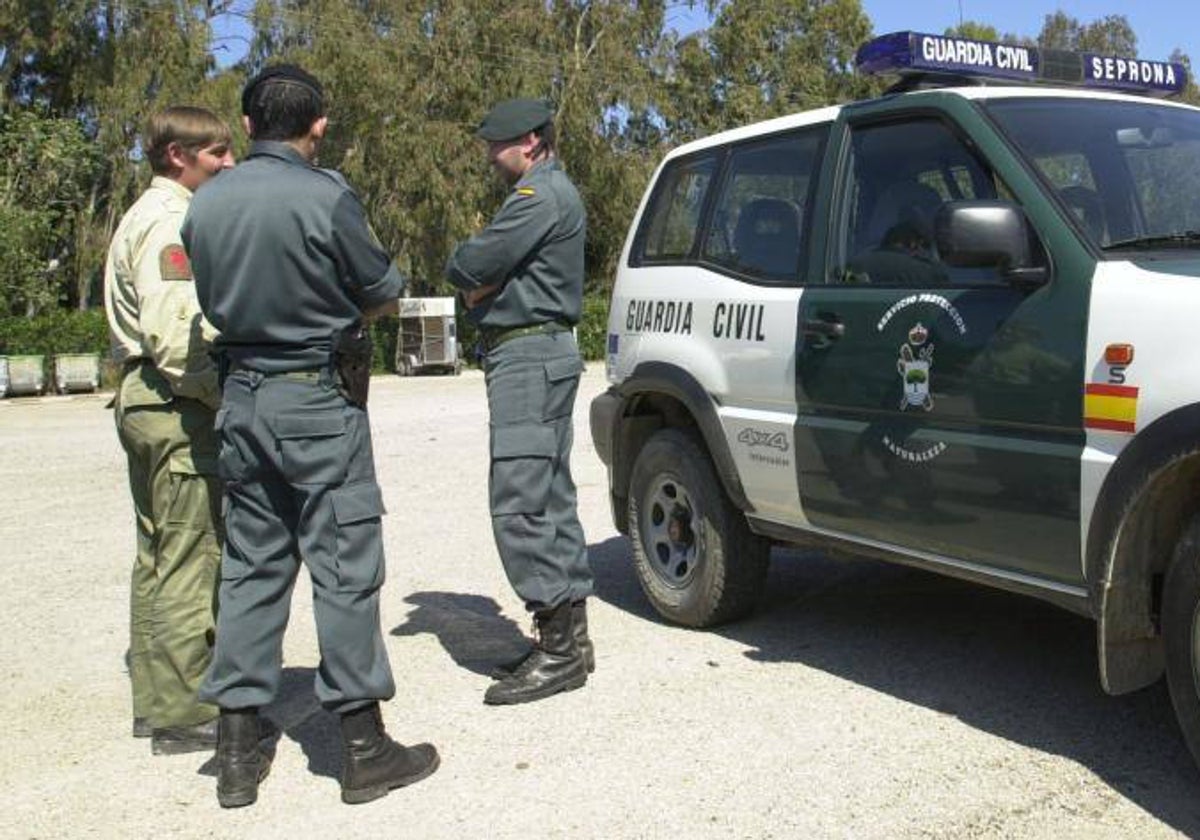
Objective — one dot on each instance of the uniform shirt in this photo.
(284, 259)
(150, 298)
(534, 246)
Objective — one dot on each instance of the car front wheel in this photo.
(1181, 629)
(695, 556)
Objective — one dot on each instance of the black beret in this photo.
(512, 118)
(283, 73)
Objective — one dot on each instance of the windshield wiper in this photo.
(1181, 239)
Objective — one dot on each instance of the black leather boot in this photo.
(176, 740)
(241, 762)
(556, 663)
(579, 627)
(373, 764)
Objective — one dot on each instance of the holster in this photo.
(352, 363)
(221, 362)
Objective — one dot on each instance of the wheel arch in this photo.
(1146, 503)
(660, 395)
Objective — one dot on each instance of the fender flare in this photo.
(650, 378)
(1135, 523)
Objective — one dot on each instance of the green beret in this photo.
(513, 118)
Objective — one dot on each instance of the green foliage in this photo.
(48, 169)
(383, 344)
(1110, 35)
(973, 29)
(592, 333)
(766, 58)
(56, 331)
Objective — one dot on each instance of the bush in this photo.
(593, 328)
(55, 331)
(383, 344)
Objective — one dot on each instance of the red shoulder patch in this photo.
(173, 263)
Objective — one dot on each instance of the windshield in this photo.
(1129, 172)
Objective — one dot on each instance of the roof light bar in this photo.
(910, 53)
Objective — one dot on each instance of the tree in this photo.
(47, 169)
(985, 32)
(765, 58)
(1191, 93)
(1110, 35)
(408, 82)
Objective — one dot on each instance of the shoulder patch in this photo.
(173, 263)
(525, 191)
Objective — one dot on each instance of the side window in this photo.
(900, 175)
(758, 226)
(668, 230)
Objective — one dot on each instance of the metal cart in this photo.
(76, 372)
(26, 376)
(427, 340)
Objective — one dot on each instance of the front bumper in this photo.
(603, 421)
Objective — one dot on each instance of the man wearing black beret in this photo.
(522, 280)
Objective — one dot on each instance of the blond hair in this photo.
(192, 128)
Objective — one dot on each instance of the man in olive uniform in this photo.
(286, 269)
(522, 279)
(164, 413)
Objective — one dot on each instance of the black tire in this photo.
(697, 561)
(1181, 632)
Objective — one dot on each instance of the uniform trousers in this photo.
(300, 486)
(532, 381)
(171, 449)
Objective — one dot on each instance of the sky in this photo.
(1161, 25)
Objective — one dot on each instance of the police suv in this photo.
(957, 326)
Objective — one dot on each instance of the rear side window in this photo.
(672, 220)
(759, 221)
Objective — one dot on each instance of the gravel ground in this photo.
(862, 700)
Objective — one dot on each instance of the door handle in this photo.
(824, 329)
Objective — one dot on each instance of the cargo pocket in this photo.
(230, 465)
(312, 447)
(195, 497)
(357, 509)
(522, 462)
(562, 381)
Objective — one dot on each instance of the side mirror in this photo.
(987, 234)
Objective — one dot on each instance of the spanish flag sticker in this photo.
(1110, 407)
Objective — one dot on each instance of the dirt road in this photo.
(862, 700)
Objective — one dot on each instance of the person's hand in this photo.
(476, 296)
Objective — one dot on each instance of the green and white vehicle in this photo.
(955, 327)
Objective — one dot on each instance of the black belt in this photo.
(493, 338)
(302, 375)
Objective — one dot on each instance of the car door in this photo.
(938, 408)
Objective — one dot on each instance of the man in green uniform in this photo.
(286, 269)
(522, 279)
(164, 413)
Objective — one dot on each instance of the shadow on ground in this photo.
(470, 628)
(1005, 664)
